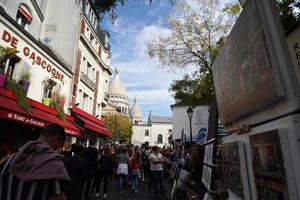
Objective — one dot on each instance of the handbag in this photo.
(122, 169)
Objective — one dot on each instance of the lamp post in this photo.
(115, 127)
(190, 115)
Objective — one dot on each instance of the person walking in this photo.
(135, 169)
(36, 171)
(91, 156)
(122, 170)
(105, 170)
(77, 170)
(156, 161)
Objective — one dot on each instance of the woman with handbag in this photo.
(122, 170)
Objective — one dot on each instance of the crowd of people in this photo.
(38, 171)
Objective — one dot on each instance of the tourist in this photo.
(91, 156)
(156, 161)
(36, 171)
(77, 169)
(135, 169)
(122, 170)
(105, 170)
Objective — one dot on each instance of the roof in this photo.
(160, 119)
(116, 86)
(186, 104)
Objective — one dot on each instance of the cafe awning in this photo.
(40, 115)
(90, 122)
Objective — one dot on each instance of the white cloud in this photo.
(148, 34)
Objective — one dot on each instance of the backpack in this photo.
(135, 165)
(144, 158)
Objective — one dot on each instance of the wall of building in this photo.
(138, 136)
(181, 120)
(61, 34)
(11, 8)
(34, 59)
(160, 129)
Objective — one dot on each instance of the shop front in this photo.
(94, 127)
(19, 126)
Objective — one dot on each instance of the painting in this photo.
(268, 166)
(232, 168)
(246, 79)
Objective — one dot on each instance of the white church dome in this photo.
(116, 86)
(135, 110)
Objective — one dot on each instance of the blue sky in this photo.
(137, 24)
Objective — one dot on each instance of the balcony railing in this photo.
(87, 80)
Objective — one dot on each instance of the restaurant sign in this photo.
(22, 118)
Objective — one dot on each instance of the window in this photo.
(24, 17)
(146, 132)
(85, 102)
(159, 139)
(88, 69)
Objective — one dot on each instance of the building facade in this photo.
(52, 49)
(155, 132)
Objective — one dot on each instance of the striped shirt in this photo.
(13, 188)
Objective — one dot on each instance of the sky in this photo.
(137, 24)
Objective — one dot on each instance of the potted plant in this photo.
(58, 102)
(20, 94)
(5, 54)
(25, 80)
(48, 85)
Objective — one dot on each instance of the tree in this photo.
(195, 40)
(119, 125)
(289, 11)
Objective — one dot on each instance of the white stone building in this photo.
(181, 124)
(153, 133)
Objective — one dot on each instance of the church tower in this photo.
(135, 113)
(117, 94)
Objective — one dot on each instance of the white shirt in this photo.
(156, 167)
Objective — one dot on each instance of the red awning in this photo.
(40, 114)
(91, 123)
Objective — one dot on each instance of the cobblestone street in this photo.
(143, 194)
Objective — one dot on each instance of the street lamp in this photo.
(115, 127)
(190, 115)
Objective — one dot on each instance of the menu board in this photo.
(245, 78)
(231, 168)
(268, 167)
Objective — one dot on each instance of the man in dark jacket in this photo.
(36, 171)
(91, 156)
(77, 170)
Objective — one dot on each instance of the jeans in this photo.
(135, 181)
(157, 183)
(122, 181)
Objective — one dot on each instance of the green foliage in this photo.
(232, 9)
(195, 40)
(6, 53)
(289, 11)
(20, 94)
(26, 75)
(59, 110)
(119, 125)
